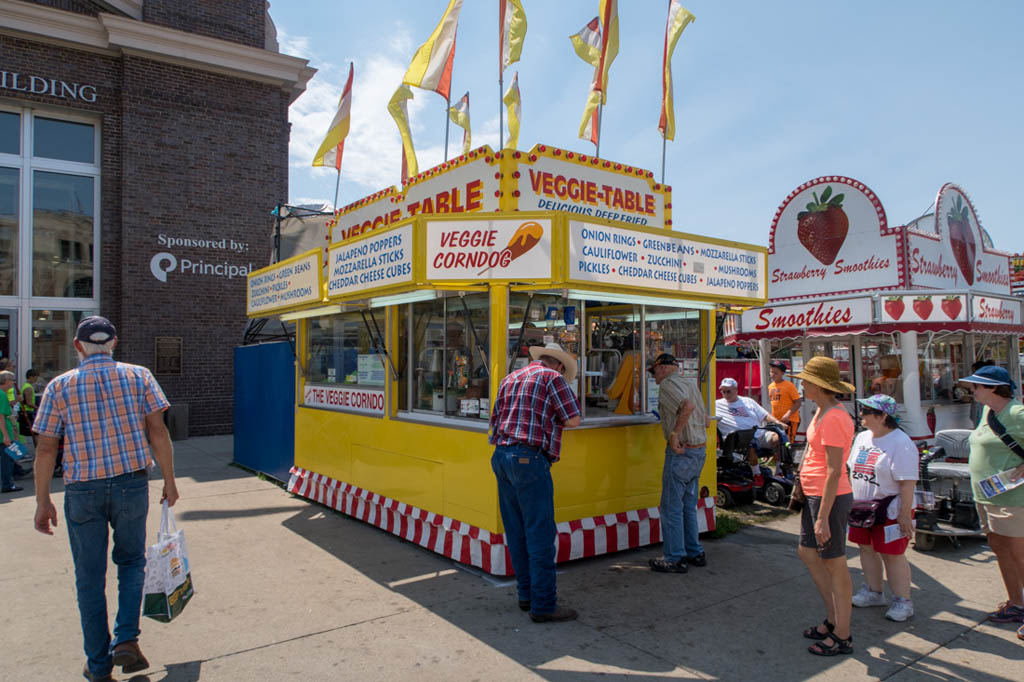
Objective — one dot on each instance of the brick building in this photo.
(142, 146)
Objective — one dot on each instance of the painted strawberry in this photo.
(923, 307)
(823, 226)
(895, 306)
(961, 238)
(952, 305)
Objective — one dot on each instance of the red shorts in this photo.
(875, 536)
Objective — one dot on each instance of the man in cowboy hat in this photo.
(684, 422)
(534, 404)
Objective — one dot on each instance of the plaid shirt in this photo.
(533, 403)
(100, 408)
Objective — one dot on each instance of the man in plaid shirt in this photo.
(111, 417)
(533, 405)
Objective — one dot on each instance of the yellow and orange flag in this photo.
(515, 112)
(330, 151)
(513, 31)
(398, 109)
(431, 67)
(678, 18)
(609, 13)
(459, 114)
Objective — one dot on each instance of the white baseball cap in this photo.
(728, 382)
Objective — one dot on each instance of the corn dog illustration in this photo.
(524, 239)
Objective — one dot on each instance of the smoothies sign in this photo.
(344, 398)
(489, 249)
(371, 263)
(831, 236)
(612, 255)
(817, 314)
(995, 310)
(924, 307)
(287, 284)
(951, 253)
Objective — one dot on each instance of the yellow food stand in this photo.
(425, 298)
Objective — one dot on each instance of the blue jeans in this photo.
(121, 503)
(526, 499)
(6, 469)
(679, 480)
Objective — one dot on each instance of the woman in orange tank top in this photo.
(829, 499)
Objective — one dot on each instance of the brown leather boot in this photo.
(129, 656)
(559, 615)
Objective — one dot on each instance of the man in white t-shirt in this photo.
(736, 413)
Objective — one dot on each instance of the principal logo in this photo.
(161, 264)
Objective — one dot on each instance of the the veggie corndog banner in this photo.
(489, 249)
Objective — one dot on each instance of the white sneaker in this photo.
(900, 610)
(865, 597)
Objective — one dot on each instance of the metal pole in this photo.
(337, 186)
(600, 115)
(664, 141)
(277, 235)
(447, 122)
(501, 105)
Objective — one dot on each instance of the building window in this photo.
(8, 231)
(62, 220)
(49, 228)
(64, 140)
(10, 133)
(53, 333)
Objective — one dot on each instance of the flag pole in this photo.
(337, 186)
(501, 79)
(664, 141)
(447, 123)
(600, 115)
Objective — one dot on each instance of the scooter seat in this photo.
(949, 470)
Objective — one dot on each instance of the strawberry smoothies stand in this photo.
(432, 294)
(905, 310)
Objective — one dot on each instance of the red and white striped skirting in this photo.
(477, 547)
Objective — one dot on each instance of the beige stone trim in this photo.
(120, 35)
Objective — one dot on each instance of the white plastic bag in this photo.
(168, 585)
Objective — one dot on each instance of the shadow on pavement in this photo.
(739, 617)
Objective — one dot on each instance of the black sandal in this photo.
(813, 632)
(838, 646)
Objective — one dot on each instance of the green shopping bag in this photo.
(168, 585)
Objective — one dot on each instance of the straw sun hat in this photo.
(555, 351)
(824, 372)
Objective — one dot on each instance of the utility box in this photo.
(176, 419)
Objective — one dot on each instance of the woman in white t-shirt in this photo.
(883, 464)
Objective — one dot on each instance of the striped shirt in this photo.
(100, 408)
(672, 392)
(533, 403)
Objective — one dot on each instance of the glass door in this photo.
(8, 334)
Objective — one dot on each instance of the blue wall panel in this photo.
(265, 408)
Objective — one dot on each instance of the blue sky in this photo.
(903, 96)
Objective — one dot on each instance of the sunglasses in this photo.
(867, 411)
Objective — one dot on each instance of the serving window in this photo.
(341, 351)
(942, 364)
(444, 343)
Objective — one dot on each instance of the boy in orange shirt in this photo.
(785, 398)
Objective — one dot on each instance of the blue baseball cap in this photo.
(95, 329)
(992, 375)
(885, 404)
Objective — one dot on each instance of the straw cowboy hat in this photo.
(554, 350)
(824, 372)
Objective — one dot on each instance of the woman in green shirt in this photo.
(1002, 515)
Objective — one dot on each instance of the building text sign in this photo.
(378, 261)
(39, 85)
(613, 255)
(285, 285)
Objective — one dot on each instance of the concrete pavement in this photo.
(289, 590)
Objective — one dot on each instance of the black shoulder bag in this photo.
(1000, 431)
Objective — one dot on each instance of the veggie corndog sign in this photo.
(489, 249)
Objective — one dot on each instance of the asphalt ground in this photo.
(289, 590)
